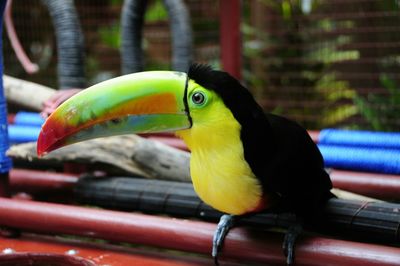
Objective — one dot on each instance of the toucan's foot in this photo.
(226, 222)
(289, 242)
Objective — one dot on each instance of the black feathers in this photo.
(200, 73)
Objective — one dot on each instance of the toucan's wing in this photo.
(288, 163)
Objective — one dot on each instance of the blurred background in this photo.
(323, 63)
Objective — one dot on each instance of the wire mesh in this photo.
(323, 63)
(326, 63)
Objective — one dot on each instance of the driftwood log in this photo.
(162, 161)
(25, 93)
(130, 153)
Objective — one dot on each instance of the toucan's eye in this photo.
(198, 98)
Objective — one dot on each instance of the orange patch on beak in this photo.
(154, 104)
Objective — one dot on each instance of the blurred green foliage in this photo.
(301, 65)
(110, 35)
(156, 12)
(382, 110)
(378, 109)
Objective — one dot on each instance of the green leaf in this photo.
(156, 12)
(339, 114)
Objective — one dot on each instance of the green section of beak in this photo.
(137, 103)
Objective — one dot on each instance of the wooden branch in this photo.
(162, 161)
(130, 153)
(25, 93)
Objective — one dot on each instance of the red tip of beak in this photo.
(46, 145)
(51, 137)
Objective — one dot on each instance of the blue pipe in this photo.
(358, 138)
(378, 160)
(22, 133)
(28, 119)
(5, 162)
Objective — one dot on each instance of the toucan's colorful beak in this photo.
(152, 101)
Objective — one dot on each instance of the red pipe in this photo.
(33, 258)
(185, 235)
(380, 186)
(10, 118)
(101, 254)
(4, 185)
(37, 181)
(173, 141)
(231, 54)
(170, 141)
(314, 134)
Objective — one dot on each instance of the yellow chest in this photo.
(220, 175)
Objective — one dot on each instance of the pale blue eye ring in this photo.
(199, 98)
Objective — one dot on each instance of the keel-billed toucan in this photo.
(242, 160)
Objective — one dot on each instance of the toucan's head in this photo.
(153, 101)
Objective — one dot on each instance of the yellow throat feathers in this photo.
(220, 174)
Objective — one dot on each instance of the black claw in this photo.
(289, 242)
(290, 255)
(216, 260)
(226, 222)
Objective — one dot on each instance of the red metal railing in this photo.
(191, 236)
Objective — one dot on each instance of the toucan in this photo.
(243, 160)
